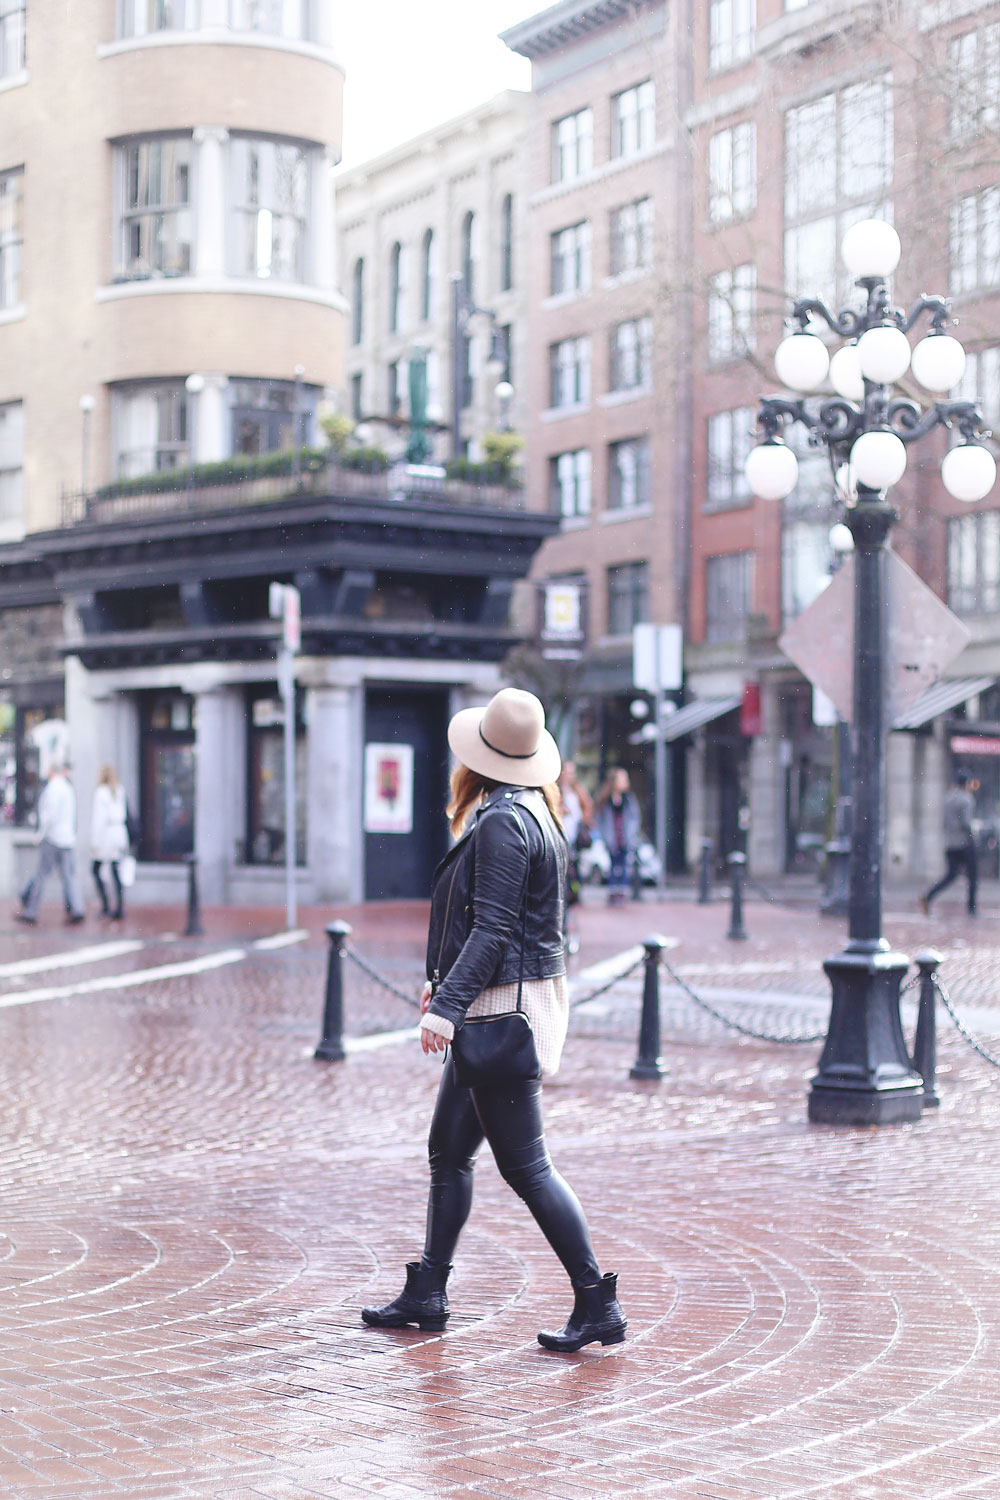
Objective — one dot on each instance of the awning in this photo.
(693, 715)
(940, 698)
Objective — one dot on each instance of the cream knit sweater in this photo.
(546, 1002)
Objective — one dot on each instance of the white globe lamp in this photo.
(801, 362)
(938, 362)
(846, 483)
(878, 460)
(841, 539)
(969, 472)
(772, 470)
(871, 249)
(883, 354)
(845, 374)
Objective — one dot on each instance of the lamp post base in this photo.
(865, 1076)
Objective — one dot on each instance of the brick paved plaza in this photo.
(194, 1210)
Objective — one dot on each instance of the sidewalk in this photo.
(195, 1209)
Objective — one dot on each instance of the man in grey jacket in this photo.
(56, 849)
(959, 842)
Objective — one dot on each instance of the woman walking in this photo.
(619, 826)
(109, 838)
(495, 938)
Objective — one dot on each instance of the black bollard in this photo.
(647, 1064)
(705, 873)
(194, 927)
(925, 1042)
(737, 862)
(331, 1043)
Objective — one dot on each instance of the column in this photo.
(899, 805)
(211, 198)
(324, 250)
(335, 850)
(698, 826)
(103, 727)
(210, 420)
(767, 764)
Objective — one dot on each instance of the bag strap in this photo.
(524, 901)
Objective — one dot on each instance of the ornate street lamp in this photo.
(463, 310)
(864, 1074)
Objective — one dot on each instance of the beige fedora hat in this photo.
(507, 740)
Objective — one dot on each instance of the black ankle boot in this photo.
(423, 1301)
(596, 1315)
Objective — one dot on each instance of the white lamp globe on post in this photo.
(969, 472)
(884, 354)
(938, 362)
(871, 249)
(845, 373)
(878, 459)
(841, 539)
(801, 361)
(772, 470)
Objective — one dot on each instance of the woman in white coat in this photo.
(109, 837)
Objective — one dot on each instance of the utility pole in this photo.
(284, 604)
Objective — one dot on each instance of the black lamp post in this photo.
(463, 309)
(865, 1076)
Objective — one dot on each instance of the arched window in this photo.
(468, 252)
(427, 277)
(507, 243)
(358, 301)
(395, 286)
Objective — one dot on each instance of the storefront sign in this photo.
(657, 657)
(975, 744)
(562, 626)
(388, 788)
(751, 722)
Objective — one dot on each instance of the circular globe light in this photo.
(871, 248)
(878, 459)
(845, 374)
(772, 470)
(883, 354)
(845, 482)
(801, 361)
(938, 362)
(969, 472)
(841, 539)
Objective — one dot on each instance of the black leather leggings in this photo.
(509, 1117)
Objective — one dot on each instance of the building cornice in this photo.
(568, 22)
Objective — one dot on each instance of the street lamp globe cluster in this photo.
(865, 1075)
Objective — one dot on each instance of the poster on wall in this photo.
(388, 788)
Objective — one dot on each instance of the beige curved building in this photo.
(166, 212)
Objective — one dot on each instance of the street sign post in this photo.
(657, 668)
(284, 603)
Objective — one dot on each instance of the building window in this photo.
(633, 120)
(838, 169)
(806, 564)
(570, 483)
(24, 730)
(573, 146)
(265, 840)
(355, 402)
(975, 242)
(11, 237)
(11, 469)
(156, 225)
(469, 253)
(632, 237)
(503, 334)
(150, 425)
(395, 287)
(732, 173)
(974, 563)
(507, 243)
(731, 435)
(731, 26)
(11, 37)
(291, 19)
(975, 83)
(728, 590)
(732, 302)
(628, 475)
(569, 371)
(570, 259)
(358, 301)
(427, 276)
(981, 383)
(270, 194)
(632, 355)
(167, 758)
(265, 418)
(141, 17)
(628, 597)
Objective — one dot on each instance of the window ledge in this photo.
(564, 299)
(12, 531)
(624, 513)
(15, 314)
(716, 226)
(622, 398)
(722, 507)
(743, 61)
(575, 523)
(218, 36)
(219, 286)
(14, 80)
(624, 278)
(556, 413)
(809, 27)
(597, 174)
(942, 11)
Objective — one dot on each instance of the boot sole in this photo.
(571, 1347)
(426, 1325)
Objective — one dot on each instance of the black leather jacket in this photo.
(477, 902)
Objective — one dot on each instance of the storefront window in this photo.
(30, 737)
(266, 781)
(269, 416)
(167, 749)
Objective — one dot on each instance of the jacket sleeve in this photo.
(501, 866)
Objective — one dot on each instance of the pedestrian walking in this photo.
(109, 841)
(577, 814)
(618, 824)
(495, 942)
(959, 843)
(56, 849)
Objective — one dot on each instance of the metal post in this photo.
(925, 1042)
(457, 289)
(331, 1043)
(286, 683)
(662, 791)
(648, 1063)
(736, 861)
(705, 873)
(194, 927)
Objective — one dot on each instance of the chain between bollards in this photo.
(737, 863)
(193, 927)
(331, 1043)
(925, 1042)
(648, 1064)
(705, 873)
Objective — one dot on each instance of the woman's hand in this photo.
(431, 1041)
(425, 998)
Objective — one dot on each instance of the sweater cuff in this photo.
(439, 1024)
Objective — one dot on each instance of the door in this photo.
(405, 790)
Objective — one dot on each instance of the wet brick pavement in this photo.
(194, 1210)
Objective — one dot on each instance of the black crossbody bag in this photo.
(491, 1050)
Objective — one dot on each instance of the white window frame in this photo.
(569, 373)
(632, 354)
(571, 479)
(732, 306)
(729, 437)
(270, 223)
(11, 469)
(292, 20)
(981, 383)
(732, 28)
(627, 588)
(159, 453)
(570, 259)
(138, 18)
(573, 145)
(806, 563)
(732, 172)
(974, 242)
(142, 224)
(630, 230)
(630, 474)
(633, 119)
(728, 576)
(11, 237)
(974, 93)
(13, 15)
